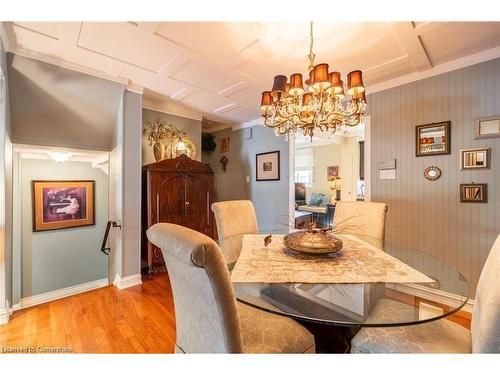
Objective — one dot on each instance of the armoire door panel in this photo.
(170, 200)
(198, 204)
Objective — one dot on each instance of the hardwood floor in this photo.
(139, 319)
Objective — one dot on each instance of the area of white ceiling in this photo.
(220, 68)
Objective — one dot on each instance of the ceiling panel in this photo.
(206, 101)
(231, 37)
(207, 76)
(458, 39)
(126, 42)
(243, 113)
(50, 29)
(249, 96)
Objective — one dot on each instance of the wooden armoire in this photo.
(177, 191)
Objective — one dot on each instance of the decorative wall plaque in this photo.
(432, 173)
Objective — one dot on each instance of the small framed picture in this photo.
(474, 193)
(487, 127)
(475, 158)
(225, 145)
(62, 204)
(268, 166)
(433, 139)
(332, 172)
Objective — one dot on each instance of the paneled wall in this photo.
(427, 215)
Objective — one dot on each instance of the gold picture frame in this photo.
(62, 204)
(487, 127)
(475, 158)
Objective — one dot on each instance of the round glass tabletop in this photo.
(368, 304)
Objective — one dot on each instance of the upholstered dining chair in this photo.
(365, 220)
(234, 219)
(208, 317)
(443, 335)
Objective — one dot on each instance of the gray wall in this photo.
(58, 259)
(427, 215)
(191, 127)
(270, 198)
(6, 188)
(131, 189)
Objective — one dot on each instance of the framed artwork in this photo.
(433, 139)
(225, 145)
(268, 166)
(474, 193)
(62, 204)
(332, 172)
(475, 158)
(487, 127)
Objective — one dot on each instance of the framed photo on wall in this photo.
(267, 166)
(433, 139)
(474, 193)
(332, 172)
(475, 158)
(62, 204)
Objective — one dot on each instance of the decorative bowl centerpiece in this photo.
(313, 242)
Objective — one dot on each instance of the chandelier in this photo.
(290, 109)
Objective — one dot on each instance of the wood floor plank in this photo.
(139, 319)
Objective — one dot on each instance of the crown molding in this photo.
(476, 58)
(171, 108)
(135, 88)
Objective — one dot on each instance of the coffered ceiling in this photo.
(220, 68)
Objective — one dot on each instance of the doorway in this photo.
(60, 199)
(326, 169)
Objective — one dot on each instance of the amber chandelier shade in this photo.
(355, 83)
(320, 77)
(296, 86)
(266, 100)
(279, 84)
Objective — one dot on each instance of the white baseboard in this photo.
(434, 295)
(4, 316)
(60, 293)
(128, 281)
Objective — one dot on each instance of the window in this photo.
(305, 176)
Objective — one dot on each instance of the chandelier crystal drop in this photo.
(325, 105)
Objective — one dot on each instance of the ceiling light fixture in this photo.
(288, 108)
(59, 157)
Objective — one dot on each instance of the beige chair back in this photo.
(365, 220)
(234, 219)
(485, 326)
(206, 313)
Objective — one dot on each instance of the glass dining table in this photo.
(376, 304)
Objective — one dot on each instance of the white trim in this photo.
(433, 295)
(291, 184)
(367, 161)
(135, 88)
(463, 62)
(171, 107)
(60, 293)
(128, 281)
(4, 316)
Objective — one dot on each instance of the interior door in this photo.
(197, 204)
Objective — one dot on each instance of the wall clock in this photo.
(432, 173)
